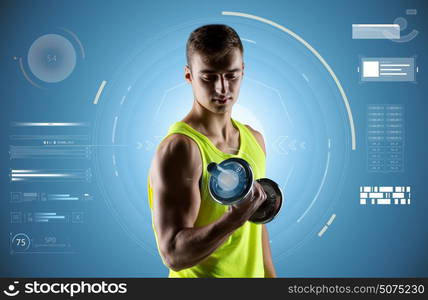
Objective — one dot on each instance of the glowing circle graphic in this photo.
(51, 58)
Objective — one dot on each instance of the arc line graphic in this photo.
(321, 185)
(21, 66)
(249, 41)
(289, 175)
(317, 55)
(113, 134)
(100, 90)
(82, 50)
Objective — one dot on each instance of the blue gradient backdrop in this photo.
(138, 48)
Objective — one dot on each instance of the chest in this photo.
(230, 146)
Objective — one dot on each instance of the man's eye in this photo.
(209, 78)
(232, 76)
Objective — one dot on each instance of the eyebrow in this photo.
(211, 71)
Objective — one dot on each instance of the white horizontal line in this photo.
(40, 175)
(383, 201)
(396, 74)
(391, 69)
(375, 25)
(394, 65)
(386, 189)
(47, 124)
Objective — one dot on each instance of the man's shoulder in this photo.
(253, 131)
(178, 146)
(177, 158)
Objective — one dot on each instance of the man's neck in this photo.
(218, 125)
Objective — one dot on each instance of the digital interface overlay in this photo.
(338, 93)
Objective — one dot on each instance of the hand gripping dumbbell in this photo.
(231, 181)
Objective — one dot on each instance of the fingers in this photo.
(263, 192)
(254, 199)
(260, 191)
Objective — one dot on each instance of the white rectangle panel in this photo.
(370, 68)
(376, 31)
(386, 189)
(383, 201)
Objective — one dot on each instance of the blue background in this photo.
(141, 45)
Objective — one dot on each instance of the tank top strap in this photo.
(248, 138)
(184, 129)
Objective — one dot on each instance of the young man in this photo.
(196, 236)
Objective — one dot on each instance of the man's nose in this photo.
(222, 85)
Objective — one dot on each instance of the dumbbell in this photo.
(232, 180)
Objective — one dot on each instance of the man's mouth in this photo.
(222, 101)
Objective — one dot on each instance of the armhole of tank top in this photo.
(200, 153)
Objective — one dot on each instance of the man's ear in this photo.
(243, 69)
(187, 74)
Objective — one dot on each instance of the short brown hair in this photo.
(213, 42)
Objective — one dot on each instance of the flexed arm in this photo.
(175, 174)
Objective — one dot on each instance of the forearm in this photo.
(267, 255)
(189, 246)
(270, 270)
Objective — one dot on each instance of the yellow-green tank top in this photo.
(241, 255)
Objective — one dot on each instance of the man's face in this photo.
(216, 84)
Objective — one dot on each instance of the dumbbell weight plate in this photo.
(224, 194)
(271, 207)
